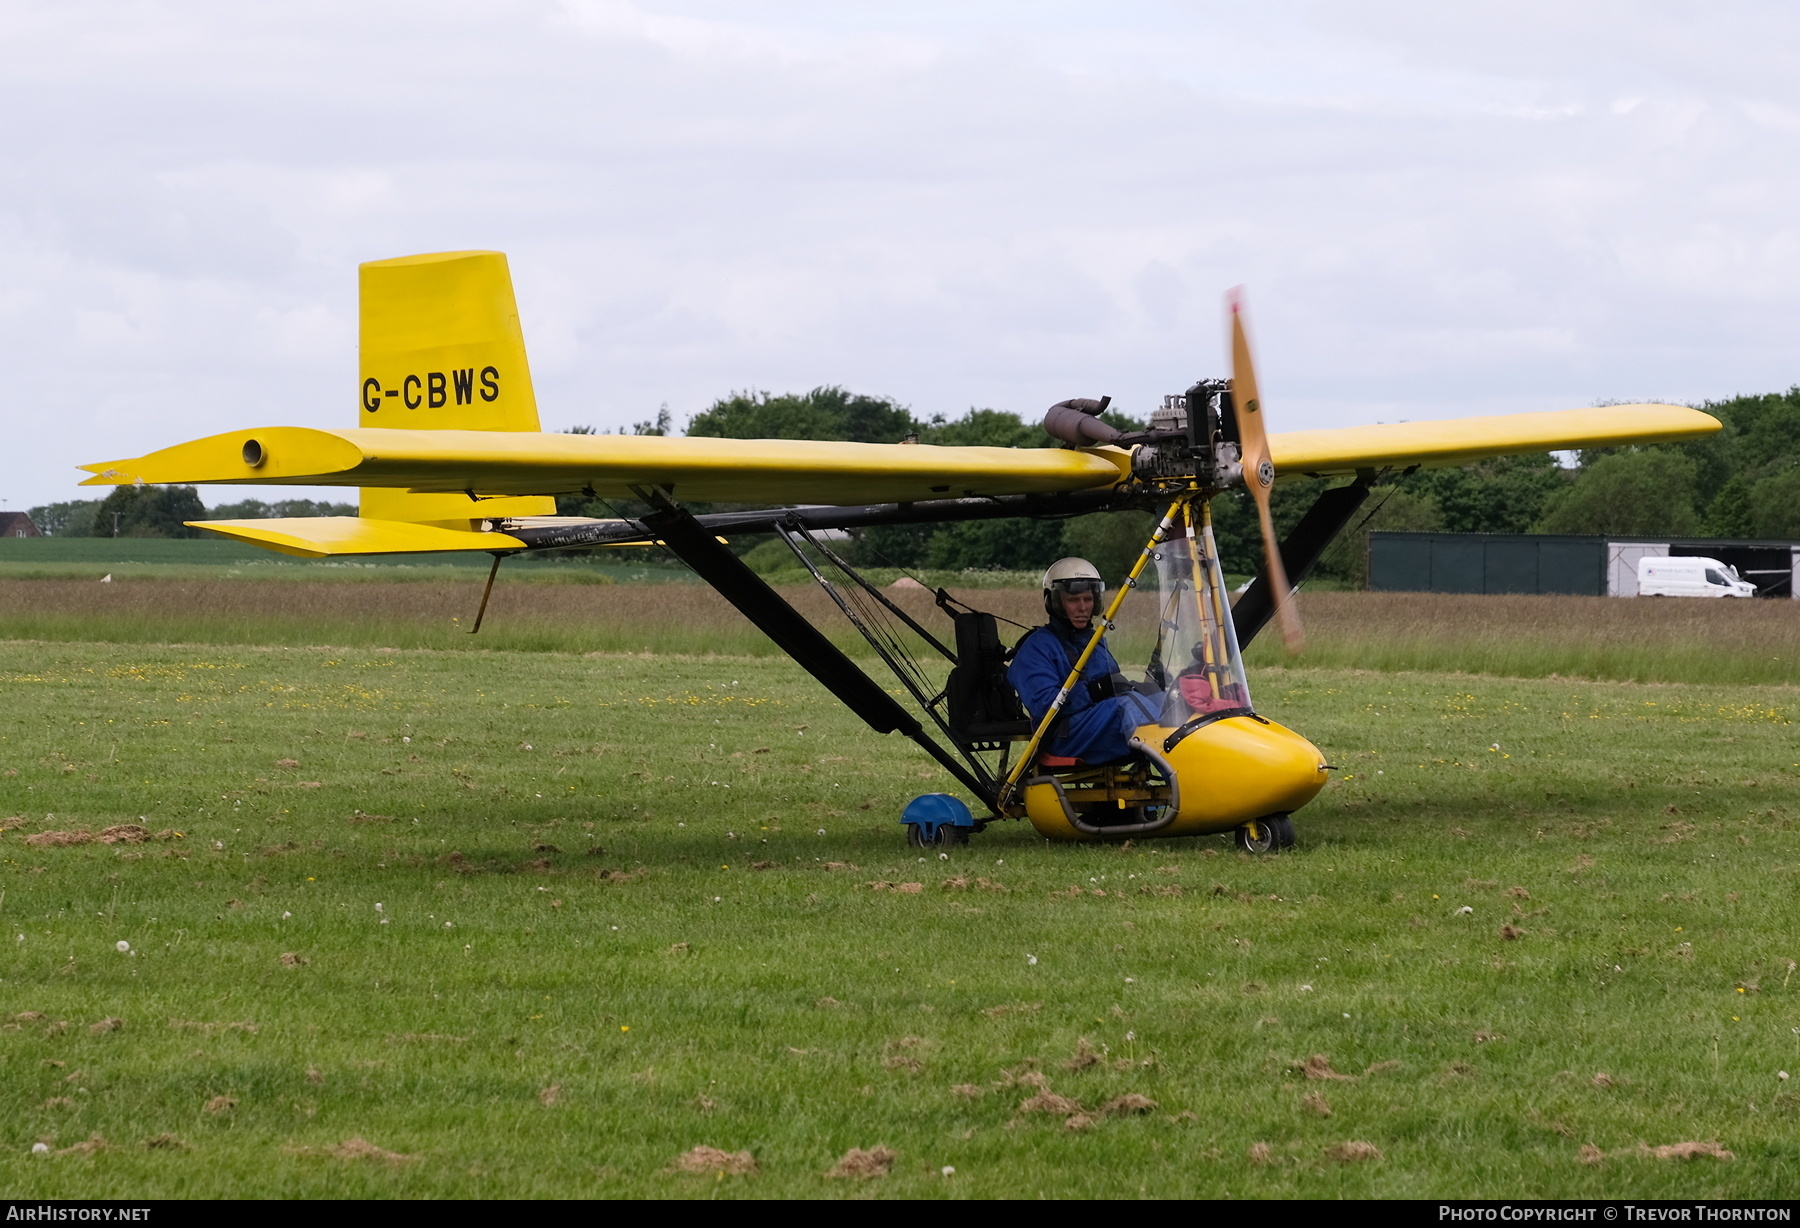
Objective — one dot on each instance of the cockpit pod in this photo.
(1210, 763)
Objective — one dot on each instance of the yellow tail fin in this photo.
(442, 350)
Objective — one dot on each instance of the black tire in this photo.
(947, 836)
(1283, 826)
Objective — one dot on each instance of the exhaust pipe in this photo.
(1077, 421)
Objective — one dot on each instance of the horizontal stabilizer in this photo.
(321, 537)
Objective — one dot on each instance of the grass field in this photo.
(1623, 976)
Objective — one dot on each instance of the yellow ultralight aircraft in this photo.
(449, 456)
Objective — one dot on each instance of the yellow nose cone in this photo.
(1238, 769)
(1226, 773)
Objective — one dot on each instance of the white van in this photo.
(1690, 577)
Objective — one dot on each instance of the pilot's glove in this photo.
(1108, 686)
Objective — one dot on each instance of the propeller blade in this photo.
(1259, 470)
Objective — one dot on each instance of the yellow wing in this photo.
(1458, 441)
(770, 471)
(481, 468)
(775, 471)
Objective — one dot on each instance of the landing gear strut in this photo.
(1273, 833)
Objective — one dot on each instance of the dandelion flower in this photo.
(1031, 959)
(122, 947)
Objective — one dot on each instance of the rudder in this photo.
(441, 349)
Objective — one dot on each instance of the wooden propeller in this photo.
(1259, 470)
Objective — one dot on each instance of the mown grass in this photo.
(507, 810)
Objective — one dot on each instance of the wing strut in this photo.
(699, 548)
(1323, 521)
(889, 651)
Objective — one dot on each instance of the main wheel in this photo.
(1270, 834)
(948, 835)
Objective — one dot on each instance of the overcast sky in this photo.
(1438, 209)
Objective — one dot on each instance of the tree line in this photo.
(162, 511)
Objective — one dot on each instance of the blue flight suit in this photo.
(1096, 732)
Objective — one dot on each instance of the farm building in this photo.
(1543, 563)
(17, 524)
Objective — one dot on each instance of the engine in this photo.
(1192, 435)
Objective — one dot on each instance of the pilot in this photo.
(1104, 709)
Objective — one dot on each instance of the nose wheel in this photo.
(1273, 833)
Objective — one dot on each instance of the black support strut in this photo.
(699, 547)
(1323, 521)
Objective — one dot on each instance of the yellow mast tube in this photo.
(1209, 649)
(1204, 541)
(1101, 626)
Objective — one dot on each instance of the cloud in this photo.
(1438, 210)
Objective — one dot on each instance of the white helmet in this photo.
(1070, 576)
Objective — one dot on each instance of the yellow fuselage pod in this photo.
(1227, 773)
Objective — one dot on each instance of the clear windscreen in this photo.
(1196, 660)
